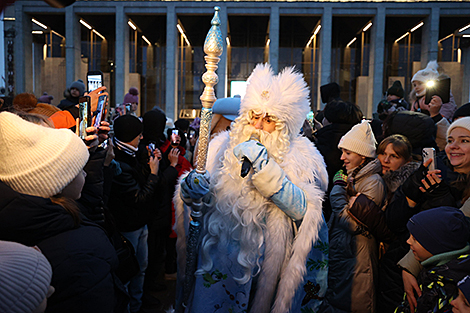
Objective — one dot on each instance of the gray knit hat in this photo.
(360, 139)
(25, 277)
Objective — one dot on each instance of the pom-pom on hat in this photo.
(45, 98)
(284, 96)
(440, 230)
(78, 85)
(127, 128)
(427, 74)
(38, 160)
(463, 122)
(396, 89)
(360, 139)
(132, 96)
(25, 277)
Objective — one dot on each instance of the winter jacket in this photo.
(82, 258)
(438, 281)
(327, 143)
(353, 250)
(64, 103)
(131, 193)
(390, 285)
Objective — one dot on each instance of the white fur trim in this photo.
(268, 181)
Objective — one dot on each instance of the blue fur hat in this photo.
(440, 230)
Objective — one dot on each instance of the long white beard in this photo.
(240, 209)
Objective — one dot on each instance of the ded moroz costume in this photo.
(264, 243)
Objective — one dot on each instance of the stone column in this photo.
(430, 37)
(274, 21)
(73, 49)
(121, 63)
(23, 53)
(376, 61)
(171, 106)
(324, 64)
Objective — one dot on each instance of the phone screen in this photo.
(100, 111)
(441, 88)
(94, 81)
(84, 116)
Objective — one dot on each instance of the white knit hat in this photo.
(463, 122)
(427, 74)
(360, 139)
(38, 160)
(285, 96)
(25, 277)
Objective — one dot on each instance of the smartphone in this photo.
(440, 88)
(192, 133)
(430, 153)
(84, 115)
(174, 139)
(94, 80)
(101, 110)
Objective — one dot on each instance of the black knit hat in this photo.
(440, 230)
(154, 126)
(127, 128)
(329, 92)
(463, 111)
(396, 89)
(340, 112)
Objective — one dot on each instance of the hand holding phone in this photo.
(84, 116)
(429, 153)
(94, 80)
(439, 88)
(101, 110)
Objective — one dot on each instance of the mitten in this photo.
(195, 186)
(340, 178)
(411, 185)
(254, 151)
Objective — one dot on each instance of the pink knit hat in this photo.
(132, 96)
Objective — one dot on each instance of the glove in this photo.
(340, 178)
(195, 186)
(254, 151)
(411, 185)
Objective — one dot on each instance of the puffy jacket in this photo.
(353, 250)
(82, 258)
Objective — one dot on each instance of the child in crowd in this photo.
(460, 304)
(439, 241)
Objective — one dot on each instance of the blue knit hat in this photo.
(440, 230)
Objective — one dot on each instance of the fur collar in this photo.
(394, 179)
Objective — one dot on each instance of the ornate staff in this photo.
(213, 47)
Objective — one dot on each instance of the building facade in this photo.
(156, 46)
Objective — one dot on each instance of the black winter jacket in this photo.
(82, 258)
(131, 193)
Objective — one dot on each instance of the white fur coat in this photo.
(286, 251)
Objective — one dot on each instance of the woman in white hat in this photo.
(41, 174)
(353, 250)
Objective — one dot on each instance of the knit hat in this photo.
(127, 128)
(25, 277)
(132, 96)
(45, 109)
(341, 112)
(427, 74)
(396, 89)
(463, 122)
(440, 230)
(38, 160)
(360, 139)
(462, 111)
(154, 126)
(78, 85)
(285, 96)
(45, 98)
(464, 286)
(329, 92)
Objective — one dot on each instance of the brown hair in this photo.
(401, 146)
(70, 206)
(36, 118)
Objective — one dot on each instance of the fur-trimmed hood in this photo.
(394, 179)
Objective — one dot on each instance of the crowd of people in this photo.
(338, 214)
